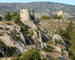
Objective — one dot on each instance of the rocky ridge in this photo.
(12, 36)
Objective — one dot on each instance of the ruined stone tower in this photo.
(25, 18)
(61, 13)
(24, 15)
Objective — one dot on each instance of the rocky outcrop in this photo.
(32, 37)
(12, 36)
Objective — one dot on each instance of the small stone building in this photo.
(61, 13)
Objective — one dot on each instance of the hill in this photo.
(40, 8)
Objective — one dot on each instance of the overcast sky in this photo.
(71, 2)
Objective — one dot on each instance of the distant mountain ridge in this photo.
(40, 8)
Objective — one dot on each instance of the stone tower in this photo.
(24, 15)
(25, 18)
(61, 13)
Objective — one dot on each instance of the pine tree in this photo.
(8, 16)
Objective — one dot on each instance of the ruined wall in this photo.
(61, 13)
(24, 15)
(25, 18)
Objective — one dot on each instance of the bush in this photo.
(33, 54)
(58, 41)
(7, 16)
(0, 18)
(16, 19)
(45, 17)
(48, 49)
(14, 14)
(69, 27)
(65, 35)
(58, 17)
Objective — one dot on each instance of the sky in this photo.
(70, 2)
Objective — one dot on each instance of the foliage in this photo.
(1, 28)
(72, 48)
(33, 15)
(48, 49)
(65, 35)
(33, 54)
(30, 33)
(58, 17)
(69, 37)
(14, 14)
(58, 41)
(7, 16)
(45, 17)
(57, 58)
(16, 19)
(0, 18)
(69, 27)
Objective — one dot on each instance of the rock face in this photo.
(25, 18)
(16, 37)
(9, 35)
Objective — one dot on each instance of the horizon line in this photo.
(40, 1)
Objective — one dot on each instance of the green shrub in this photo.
(16, 19)
(14, 14)
(69, 27)
(58, 41)
(7, 16)
(48, 49)
(33, 54)
(58, 17)
(1, 28)
(65, 35)
(45, 17)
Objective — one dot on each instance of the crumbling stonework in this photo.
(24, 15)
(61, 13)
(25, 18)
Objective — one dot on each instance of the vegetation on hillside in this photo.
(69, 37)
(58, 17)
(45, 17)
(33, 54)
(1, 18)
(7, 16)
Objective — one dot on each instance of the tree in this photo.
(14, 14)
(65, 35)
(33, 54)
(69, 27)
(16, 19)
(8, 16)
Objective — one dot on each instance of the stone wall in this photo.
(24, 15)
(61, 13)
